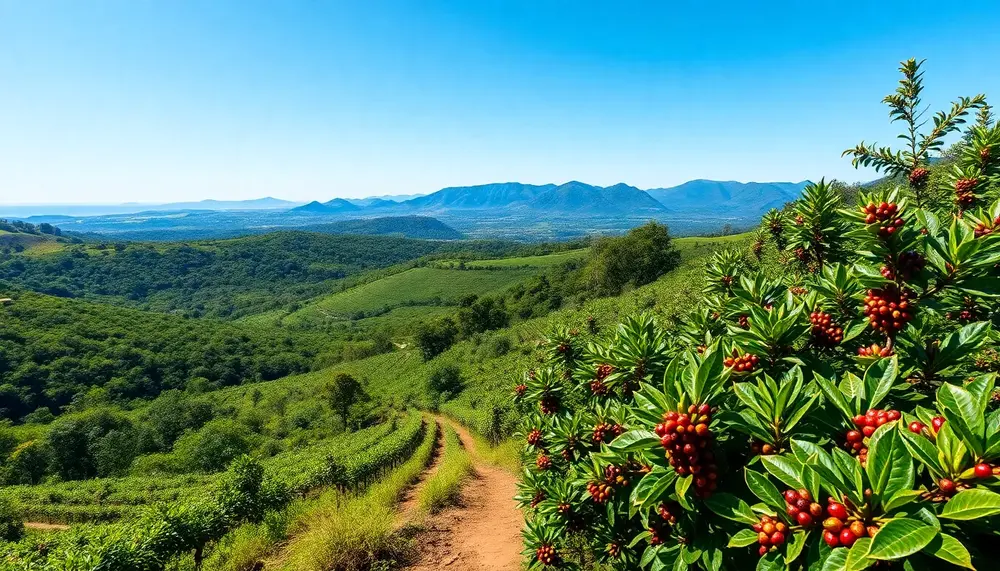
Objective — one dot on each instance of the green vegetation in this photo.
(442, 489)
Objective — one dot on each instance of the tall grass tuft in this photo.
(444, 487)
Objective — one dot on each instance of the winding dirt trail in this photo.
(483, 532)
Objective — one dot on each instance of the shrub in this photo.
(839, 416)
(11, 527)
(637, 258)
(445, 381)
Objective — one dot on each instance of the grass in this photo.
(416, 286)
(444, 487)
(353, 533)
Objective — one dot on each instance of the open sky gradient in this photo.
(120, 100)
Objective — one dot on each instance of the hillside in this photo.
(420, 227)
(335, 206)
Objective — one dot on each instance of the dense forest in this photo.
(56, 352)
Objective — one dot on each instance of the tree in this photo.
(343, 393)
(480, 314)
(637, 258)
(435, 337)
(11, 527)
(445, 381)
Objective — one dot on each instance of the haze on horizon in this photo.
(111, 102)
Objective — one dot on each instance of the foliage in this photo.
(435, 337)
(343, 393)
(11, 525)
(637, 258)
(834, 414)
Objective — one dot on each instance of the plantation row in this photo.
(107, 499)
(830, 403)
(244, 494)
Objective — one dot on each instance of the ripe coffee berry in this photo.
(543, 462)
(825, 332)
(917, 427)
(888, 309)
(520, 389)
(604, 370)
(549, 404)
(668, 512)
(983, 470)
(875, 350)
(799, 505)
(866, 425)
(918, 177)
(606, 432)
(765, 448)
(534, 437)
(615, 476)
(599, 491)
(946, 486)
(770, 534)
(885, 215)
(744, 363)
(546, 555)
(687, 438)
(936, 423)
(965, 191)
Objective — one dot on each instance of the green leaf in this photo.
(771, 562)
(743, 538)
(833, 395)
(901, 537)
(972, 504)
(764, 489)
(731, 507)
(786, 469)
(635, 440)
(921, 448)
(965, 418)
(682, 487)
(835, 561)
(889, 467)
(879, 378)
(795, 546)
(900, 499)
(857, 556)
(947, 548)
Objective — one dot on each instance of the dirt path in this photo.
(482, 533)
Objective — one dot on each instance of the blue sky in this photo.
(116, 101)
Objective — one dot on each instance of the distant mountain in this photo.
(569, 198)
(383, 200)
(335, 206)
(423, 227)
(25, 210)
(728, 198)
(372, 202)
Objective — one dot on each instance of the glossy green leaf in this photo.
(947, 548)
(972, 504)
(764, 489)
(743, 538)
(901, 537)
(732, 508)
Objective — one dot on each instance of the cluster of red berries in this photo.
(866, 425)
(537, 499)
(825, 331)
(918, 177)
(549, 404)
(965, 191)
(744, 321)
(888, 309)
(968, 313)
(796, 290)
(597, 386)
(534, 437)
(838, 531)
(765, 448)
(909, 264)
(546, 554)
(543, 462)
(687, 438)
(744, 363)
(886, 215)
(668, 513)
(770, 534)
(606, 432)
(874, 350)
(520, 389)
(800, 506)
(600, 491)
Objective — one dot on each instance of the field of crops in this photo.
(417, 286)
(544, 261)
(301, 468)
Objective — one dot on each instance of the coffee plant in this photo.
(828, 405)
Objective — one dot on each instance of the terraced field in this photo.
(417, 286)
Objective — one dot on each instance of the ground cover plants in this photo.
(829, 404)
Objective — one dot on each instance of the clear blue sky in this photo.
(148, 101)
